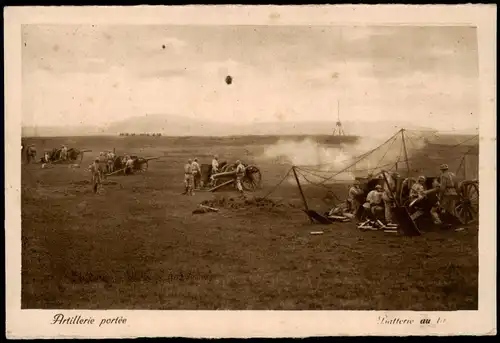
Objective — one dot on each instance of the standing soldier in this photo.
(353, 195)
(196, 173)
(447, 191)
(30, 153)
(389, 190)
(215, 165)
(111, 162)
(188, 178)
(240, 174)
(64, 153)
(96, 172)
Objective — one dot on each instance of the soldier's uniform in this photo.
(215, 165)
(111, 162)
(352, 198)
(129, 166)
(188, 178)
(447, 192)
(240, 174)
(96, 172)
(374, 198)
(417, 190)
(196, 173)
(64, 153)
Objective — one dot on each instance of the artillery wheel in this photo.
(467, 209)
(253, 178)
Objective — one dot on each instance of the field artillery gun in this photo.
(139, 165)
(467, 205)
(73, 155)
(467, 202)
(227, 176)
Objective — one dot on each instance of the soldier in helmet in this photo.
(240, 174)
(418, 189)
(447, 190)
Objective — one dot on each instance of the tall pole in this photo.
(406, 152)
(338, 110)
(301, 192)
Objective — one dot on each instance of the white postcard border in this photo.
(37, 323)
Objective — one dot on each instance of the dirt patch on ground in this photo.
(240, 203)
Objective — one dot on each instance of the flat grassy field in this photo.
(139, 246)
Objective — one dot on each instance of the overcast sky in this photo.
(93, 75)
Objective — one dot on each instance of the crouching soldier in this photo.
(418, 192)
(374, 198)
(96, 175)
(129, 166)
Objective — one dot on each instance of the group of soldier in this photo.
(192, 175)
(30, 151)
(108, 158)
(379, 201)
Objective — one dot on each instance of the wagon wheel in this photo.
(467, 209)
(253, 178)
(404, 193)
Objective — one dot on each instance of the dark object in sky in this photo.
(229, 79)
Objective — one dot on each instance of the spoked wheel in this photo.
(253, 178)
(467, 209)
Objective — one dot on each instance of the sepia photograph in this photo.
(232, 167)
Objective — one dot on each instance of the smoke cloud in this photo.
(344, 162)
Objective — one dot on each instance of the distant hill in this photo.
(169, 125)
(174, 125)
